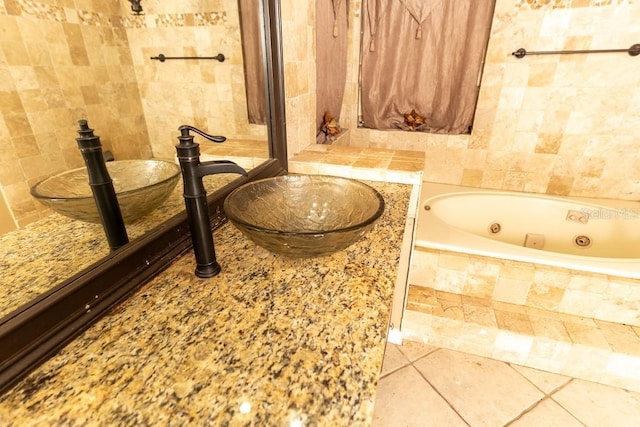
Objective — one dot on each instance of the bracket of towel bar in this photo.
(634, 50)
(219, 57)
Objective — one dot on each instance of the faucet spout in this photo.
(220, 166)
(195, 196)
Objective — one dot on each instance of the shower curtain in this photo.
(422, 59)
(252, 50)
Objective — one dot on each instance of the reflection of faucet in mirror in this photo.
(136, 7)
(195, 196)
(102, 187)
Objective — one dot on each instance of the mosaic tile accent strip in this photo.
(86, 17)
(56, 12)
(200, 19)
(39, 10)
(204, 19)
(171, 20)
(568, 4)
(130, 21)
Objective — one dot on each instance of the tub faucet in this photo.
(195, 196)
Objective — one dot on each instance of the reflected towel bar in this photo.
(634, 50)
(219, 57)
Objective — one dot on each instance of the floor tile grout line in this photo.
(396, 369)
(536, 404)
(569, 379)
(391, 372)
(435, 349)
(560, 404)
(547, 396)
(527, 410)
(407, 360)
(436, 390)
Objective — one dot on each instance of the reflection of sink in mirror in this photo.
(141, 186)
(304, 215)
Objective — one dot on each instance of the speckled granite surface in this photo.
(270, 341)
(36, 258)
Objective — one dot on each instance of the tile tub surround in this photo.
(562, 321)
(281, 339)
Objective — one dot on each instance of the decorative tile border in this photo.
(54, 12)
(204, 19)
(568, 4)
(90, 18)
(171, 20)
(38, 10)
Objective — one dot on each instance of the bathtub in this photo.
(593, 235)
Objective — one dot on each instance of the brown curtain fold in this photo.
(426, 57)
(331, 58)
(375, 10)
(252, 50)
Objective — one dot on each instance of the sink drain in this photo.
(582, 241)
(495, 228)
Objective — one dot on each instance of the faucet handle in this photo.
(184, 132)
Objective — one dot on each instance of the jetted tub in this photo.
(594, 235)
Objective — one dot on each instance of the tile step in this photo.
(580, 347)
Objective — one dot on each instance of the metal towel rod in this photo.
(219, 57)
(634, 50)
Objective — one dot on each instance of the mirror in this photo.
(97, 65)
(35, 331)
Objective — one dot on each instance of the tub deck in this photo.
(616, 256)
(562, 320)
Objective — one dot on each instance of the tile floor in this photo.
(421, 385)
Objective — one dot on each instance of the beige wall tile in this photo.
(546, 107)
(85, 60)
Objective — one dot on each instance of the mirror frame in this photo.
(37, 330)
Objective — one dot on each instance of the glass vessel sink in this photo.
(304, 215)
(141, 186)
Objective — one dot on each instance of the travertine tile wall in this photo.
(204, 93)
(63, 60)
(298, 46)
(558, 124)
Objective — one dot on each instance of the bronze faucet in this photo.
(195, 196)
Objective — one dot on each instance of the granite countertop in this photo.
(270, 341)
(36, 258)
